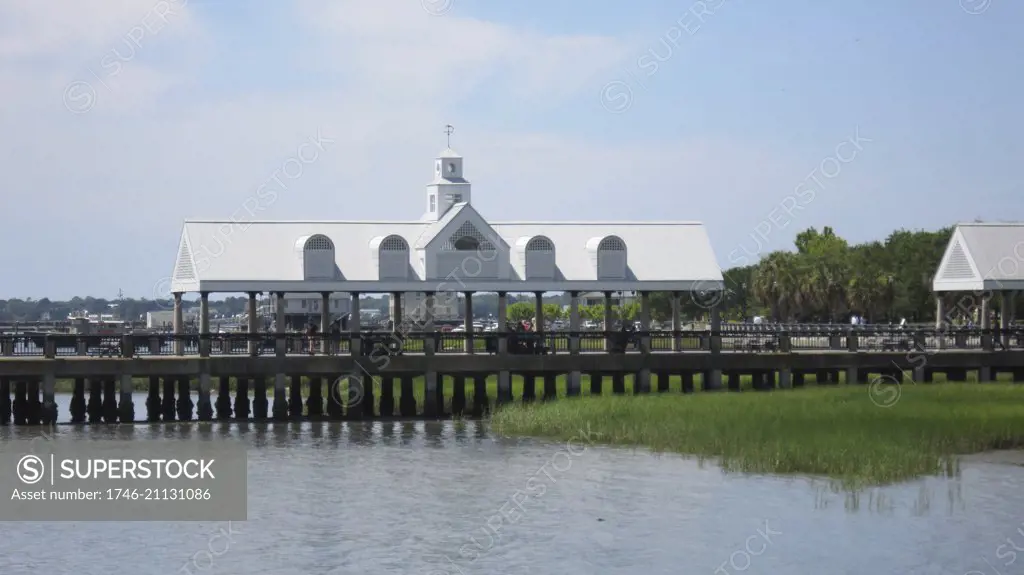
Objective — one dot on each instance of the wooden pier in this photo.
(433, 375)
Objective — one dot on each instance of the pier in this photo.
(436, 375)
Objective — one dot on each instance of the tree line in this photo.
(823, 279)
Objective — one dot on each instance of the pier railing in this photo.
(734, 339)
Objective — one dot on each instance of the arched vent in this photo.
(392, 255)
(394, 243)
(319, 243)
(609, 256)
(613, 244)
(538, 257)
(541, 244)
(318, 258)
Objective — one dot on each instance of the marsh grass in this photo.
(835, 432)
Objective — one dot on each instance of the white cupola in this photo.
(449, 186)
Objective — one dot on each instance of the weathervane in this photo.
(448, 129)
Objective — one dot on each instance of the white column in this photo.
(574, 322)
(609, 316)
(428, 324)
(204, 324)
(280, 321)
(502, 322)
(644, 377)
(504, 377)
(355, 325)
(325, 322)
(1004, 317)
(179, 325)
(941, 325)
(467, 321)
(253, 325)
(396, 311)
(677, 323)
(575, 378)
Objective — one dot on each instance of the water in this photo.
(331, 498)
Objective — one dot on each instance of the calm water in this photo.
(400, 497)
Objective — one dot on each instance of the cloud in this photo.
(164, 141)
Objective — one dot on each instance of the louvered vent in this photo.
(957, 266)
(183, 269)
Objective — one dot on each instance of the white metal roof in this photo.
(983, 257)
(222, 256)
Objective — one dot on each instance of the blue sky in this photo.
(715, 112)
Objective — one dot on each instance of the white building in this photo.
(451, 250)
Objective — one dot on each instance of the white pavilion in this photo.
(451, 250)
(985, 260)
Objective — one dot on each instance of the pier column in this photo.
(280, 327)
(34, 409)
(786, 378)
(109, 400)
(49, 414)
(574, 384)
(504, 377)
(467, 321)
(126, 405)
(643, 381)
(242, 399)
(280, 409)
(254, 326)
(179, 325)
(677, 324)
(260, 405)
(205, 409)
(185, 403)
(431, 381)
(315, 401)
(5, 401)
(609, 317)
(95, 407)
(406, 398)
(325, 323)
(152, 401)
(481, 405)
(387, 396)
(295, 403)
(458, 395)
(204, 324)
(355, 328)
(167, 408)
(20, 405)
(223, 403)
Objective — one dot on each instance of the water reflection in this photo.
(409, 497)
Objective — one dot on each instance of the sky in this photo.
(121, 118)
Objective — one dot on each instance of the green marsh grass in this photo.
(833, 431)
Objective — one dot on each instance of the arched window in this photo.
(392, 255)
(539, 258)
(317, 257)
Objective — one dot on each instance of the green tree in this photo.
(520, 311)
